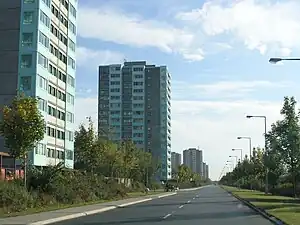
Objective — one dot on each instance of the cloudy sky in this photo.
(217, 52)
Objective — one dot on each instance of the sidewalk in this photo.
(71, 213)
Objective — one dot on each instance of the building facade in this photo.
(206, 171)
(135, 104)
(38, 53)
(175, 161)
(193, 158)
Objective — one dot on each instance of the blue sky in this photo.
(217, 52)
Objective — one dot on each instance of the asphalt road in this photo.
(209, 206)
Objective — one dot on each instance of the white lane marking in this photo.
(193, 198)
(189, 201)
(180, 206)
(166, 216)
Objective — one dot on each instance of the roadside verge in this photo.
(258, 202)
(76, 212)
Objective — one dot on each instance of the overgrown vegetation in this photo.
(280, 161)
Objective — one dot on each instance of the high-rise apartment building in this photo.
(206, 171)
(135, 104)
(37, 57)
(175, 161)
(193, 159)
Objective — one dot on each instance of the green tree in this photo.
(87, 155)
(287, 138)
(22, 126)
(184, 174)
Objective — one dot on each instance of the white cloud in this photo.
(93, 58)
(261, 25)
(211, 125)
(223, 89)
(119, 27)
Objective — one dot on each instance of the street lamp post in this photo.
(265, 123)
(234, 156)
(230, 164)
(276, 60)
(239, 149)
(250, 144)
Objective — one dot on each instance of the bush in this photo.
(15, 198)
(55, 185)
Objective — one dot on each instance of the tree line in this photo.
(277, 166)
(113, 159)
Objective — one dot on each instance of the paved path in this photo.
(210, 206)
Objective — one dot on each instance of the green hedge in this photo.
(53, 186)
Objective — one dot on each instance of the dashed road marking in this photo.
(193, 198)
(180, 206)
(189, 201)
(166, 216)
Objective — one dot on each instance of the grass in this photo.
(285, 208)
(65, 206)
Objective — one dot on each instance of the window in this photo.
(63, 39)
(59, 16)
(28, 1)
(40, 149)
(115, 83)
(70, 136)
(65, 4)
(71, 62)
(115, 75)
(70, 117)
(115, 97)
(71, 45)
(57, 73)
(71, 81)
(115, 90)
(42, 104)
(27, 39)
(27, 17)
(43, 39)
(70, 98)
(69, 154)
(72, 10)
(56, 113)
(26, 61)
(138, 69)
(26, 83)
(42, 60)
(52, 132)
(47, 2)
(138, 83)
(72, 27)
(45, 19)
(42, 82)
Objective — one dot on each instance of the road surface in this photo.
(210, 205)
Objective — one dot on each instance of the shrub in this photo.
(15, 198)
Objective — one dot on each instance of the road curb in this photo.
(258, 210)
(166, 195)
(92, 212)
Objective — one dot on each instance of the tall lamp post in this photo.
(239, 149)
(230, 164)
(250, 144)
(265, 123)
(276, 60)
(234, 156)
